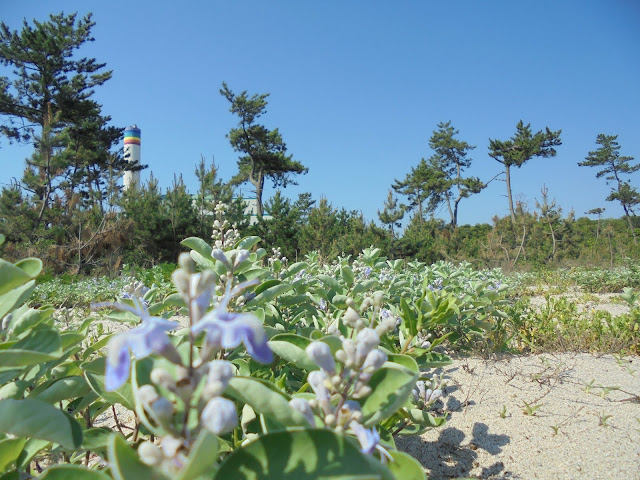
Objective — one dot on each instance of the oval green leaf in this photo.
(301, 455)
(37, 419)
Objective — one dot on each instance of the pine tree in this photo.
(392, 213)
(450, 157)
(521, 148)
(47, 102)
(263, 150)
(614, 168)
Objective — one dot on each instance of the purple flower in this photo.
(151, 336)
(369, 440)
(225, 329)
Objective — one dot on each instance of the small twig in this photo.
(400, 428)
(115, 417)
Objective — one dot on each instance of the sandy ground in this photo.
(582, 427)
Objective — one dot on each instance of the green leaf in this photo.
(38, 347)
(72, 472)
(404, 360)
(14, 389)
(330, 282)
(199, 245)
(124, 462)
(405, 467)
(291, 347)
(294, 268)
(30, 450)
(409, 316)
(29, 319)
(12, 276)
(248, 243)
(10, 450)
(301, 455)
(96, 438)
(123, 395)
(16, 297)
(347, 275)
(63, 389)
(265, 398)
(202, 458)
(339, 301)
(37, 419)
(269, 294)
(31, 266)
(425, 419)
(433, 360)
(391, 386)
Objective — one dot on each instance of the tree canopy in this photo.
(263, 151)
(521, 148)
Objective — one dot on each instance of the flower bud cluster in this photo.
(195, 288)
(158, 408)
(224, 234)
(436, 285)
(360, 359)
(426, 392)
(388, 322)
(135, 289)
(170, 454)
(422, 340)
(276, 260)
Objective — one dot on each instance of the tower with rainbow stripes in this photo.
(132, 155)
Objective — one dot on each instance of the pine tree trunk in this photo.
(508, 179)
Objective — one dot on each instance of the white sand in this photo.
(478, 443)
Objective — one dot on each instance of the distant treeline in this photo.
(145, 227)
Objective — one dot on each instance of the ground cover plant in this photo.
(278, 369)
(273, 358)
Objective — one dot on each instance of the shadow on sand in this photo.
(453, 456)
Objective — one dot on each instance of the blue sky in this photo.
(357, 87)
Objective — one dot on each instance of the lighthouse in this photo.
(132, 155)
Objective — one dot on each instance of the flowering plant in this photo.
(269, 370)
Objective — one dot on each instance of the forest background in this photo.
(69, 208)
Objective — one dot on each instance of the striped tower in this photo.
(132, 155)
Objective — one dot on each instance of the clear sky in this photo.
(357, 87)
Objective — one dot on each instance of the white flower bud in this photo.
(303, 407)
(349, 347)
(366, 303)
(150, 454)
(186, 263)
(220, 373)
(330, 420)
(317, 380)
(147, 395)
(170, 446)
(320, 354)
(181, 279)
(374, 361)
(377, 298)
(220, 256)
(162, 409)
(366, 340)
(219, 416)
(350, 317)
(241, 256)
(6, 321)
(362, 391)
